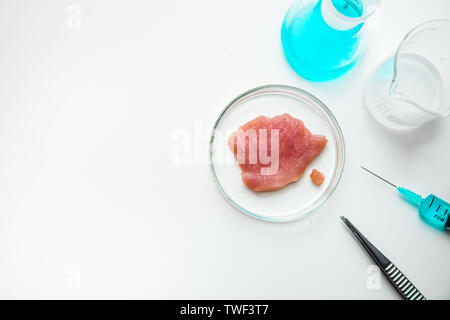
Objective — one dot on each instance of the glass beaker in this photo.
(322, 39)
(412, 87)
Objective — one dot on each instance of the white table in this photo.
(92, 205)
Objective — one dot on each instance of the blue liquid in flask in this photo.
(314, 49)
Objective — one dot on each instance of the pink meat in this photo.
(317, 177)
(297, 147)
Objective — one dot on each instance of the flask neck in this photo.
(347, 14)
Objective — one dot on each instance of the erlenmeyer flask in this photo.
(322, 39)
(413, 87)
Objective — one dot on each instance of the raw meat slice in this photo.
(317, 177)
(273, 152)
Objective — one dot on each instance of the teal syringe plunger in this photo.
(432, 209)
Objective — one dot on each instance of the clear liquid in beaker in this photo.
(416, 89)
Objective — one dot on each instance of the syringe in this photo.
(432, 209)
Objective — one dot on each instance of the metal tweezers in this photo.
(407, 290)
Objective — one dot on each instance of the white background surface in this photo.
(92, 205)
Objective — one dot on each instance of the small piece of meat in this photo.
(273, 152)
(317, 177)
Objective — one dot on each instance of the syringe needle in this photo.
(432, 209)
(380, 177)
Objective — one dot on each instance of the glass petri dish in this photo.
(297, 199)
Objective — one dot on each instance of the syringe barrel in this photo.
(435, 212)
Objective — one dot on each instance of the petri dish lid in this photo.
(299, 198)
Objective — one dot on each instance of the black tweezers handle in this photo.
(395, 276)
(402, 284)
